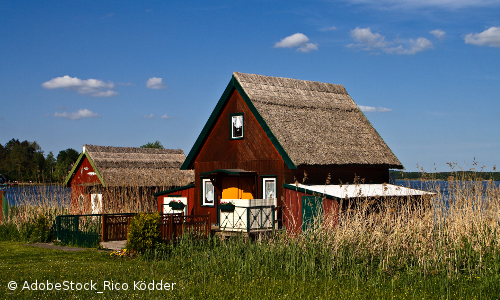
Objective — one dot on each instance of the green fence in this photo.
(79, 230)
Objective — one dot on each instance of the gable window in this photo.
(208, 193)
(269, 187)
(236, 126)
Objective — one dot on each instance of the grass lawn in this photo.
(200, 275)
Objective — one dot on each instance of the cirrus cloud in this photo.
(91, 87)
(370, 109)
(80, 114)
(489, 37)
(155, 83)
(297, 40)
(406, 4)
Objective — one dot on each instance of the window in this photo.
(269, 187)
(236, 126)
(208, 193)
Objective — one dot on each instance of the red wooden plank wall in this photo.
(292, 211)
(188, 193)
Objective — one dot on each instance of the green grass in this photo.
(233, 269)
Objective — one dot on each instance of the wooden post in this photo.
(171, 231)
(103, 227)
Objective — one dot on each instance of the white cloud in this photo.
(91, 87)
(366, 37)
(369, 109)
(418, 45)
(369, 41)
(329, 28)
(447, 4)
(438, 33)
(308, 47)
(80, 114)
(489, 37)
(297, 40)
(151, 116)
(155, 83)
(165, 116)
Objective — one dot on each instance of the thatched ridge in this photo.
(316, 123)
(130, 166)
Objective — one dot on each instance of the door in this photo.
(237, 188)
(312, 212)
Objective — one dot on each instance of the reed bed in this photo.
(33, 201)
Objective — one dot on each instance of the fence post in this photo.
(103, 228)
(58, 227)
(248, 218)
(76, 236)
(172, 232)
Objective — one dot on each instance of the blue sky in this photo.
(426, 73)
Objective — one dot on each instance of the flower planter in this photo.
(226, 207)
(177, 205)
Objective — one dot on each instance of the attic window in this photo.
(236, 124)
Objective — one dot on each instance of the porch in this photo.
(248, 215)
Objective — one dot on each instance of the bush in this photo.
(41, 230)
(9, 232)
(143, 232)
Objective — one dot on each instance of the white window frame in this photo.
(264, 191)
(203, 203)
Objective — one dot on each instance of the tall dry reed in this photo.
(450, 234)
(33, 201)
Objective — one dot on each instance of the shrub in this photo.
(143, 232)
(41, 230)
(9, 232)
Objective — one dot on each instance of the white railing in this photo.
(249, 215)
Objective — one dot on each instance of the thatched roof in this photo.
(316, 123)
(130, 166)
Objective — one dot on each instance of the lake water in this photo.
(442, 186)
(37, 194)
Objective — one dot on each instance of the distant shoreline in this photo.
(445, 176)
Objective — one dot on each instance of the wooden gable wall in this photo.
(254, 152)
(80, 179)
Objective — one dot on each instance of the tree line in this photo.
(26, 162)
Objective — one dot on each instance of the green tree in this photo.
(65, 160)
(156, 145)
(19, 160)
(49, 167)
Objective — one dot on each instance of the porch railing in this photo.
(249, 215)
(173, 226)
